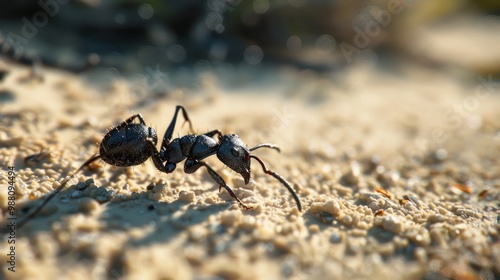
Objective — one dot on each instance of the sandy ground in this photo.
(398, 175)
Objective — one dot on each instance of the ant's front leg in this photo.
(192, 165)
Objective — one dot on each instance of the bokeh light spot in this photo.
(260, 6)
(294, 43)
(145, 11)
(325, 43)
(253, 54)
(176, 53)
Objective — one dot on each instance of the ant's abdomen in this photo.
(127, 146)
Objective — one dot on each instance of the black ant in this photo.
(132, 143)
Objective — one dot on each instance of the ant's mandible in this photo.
(132, 143)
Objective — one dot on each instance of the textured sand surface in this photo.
(398, 174)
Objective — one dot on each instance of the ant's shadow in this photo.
(163, 221)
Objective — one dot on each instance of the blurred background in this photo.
(152, 38)
(392, 86)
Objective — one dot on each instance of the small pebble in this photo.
(154, 196)
(343, 191)
(209, 200)
(439, 235)
(194, 255)
(264, 233)
(98, 192)
(134, 196)
(358, 232)
(88, 205)
(435, 218)
(197, 233)
(326, 218)
(89, 182)
(386, 249)
(103, 198)
(393, 224)
(353, 175)
(40, 172)
(356, 244)
(314, 228)
(76, 194)
(248, 222)
(187, 196)
(335, 238)
(346, 219)
(331, 207)
(151, 186)
(230, 218)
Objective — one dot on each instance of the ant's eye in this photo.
(235, 152)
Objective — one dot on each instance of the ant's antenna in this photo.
(279, 178)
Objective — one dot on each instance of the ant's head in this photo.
(234, 153)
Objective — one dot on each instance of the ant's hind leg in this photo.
(131, 119)
(192, 165)
(37, 209)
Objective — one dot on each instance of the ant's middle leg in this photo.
(192, 165)
(170, 129)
